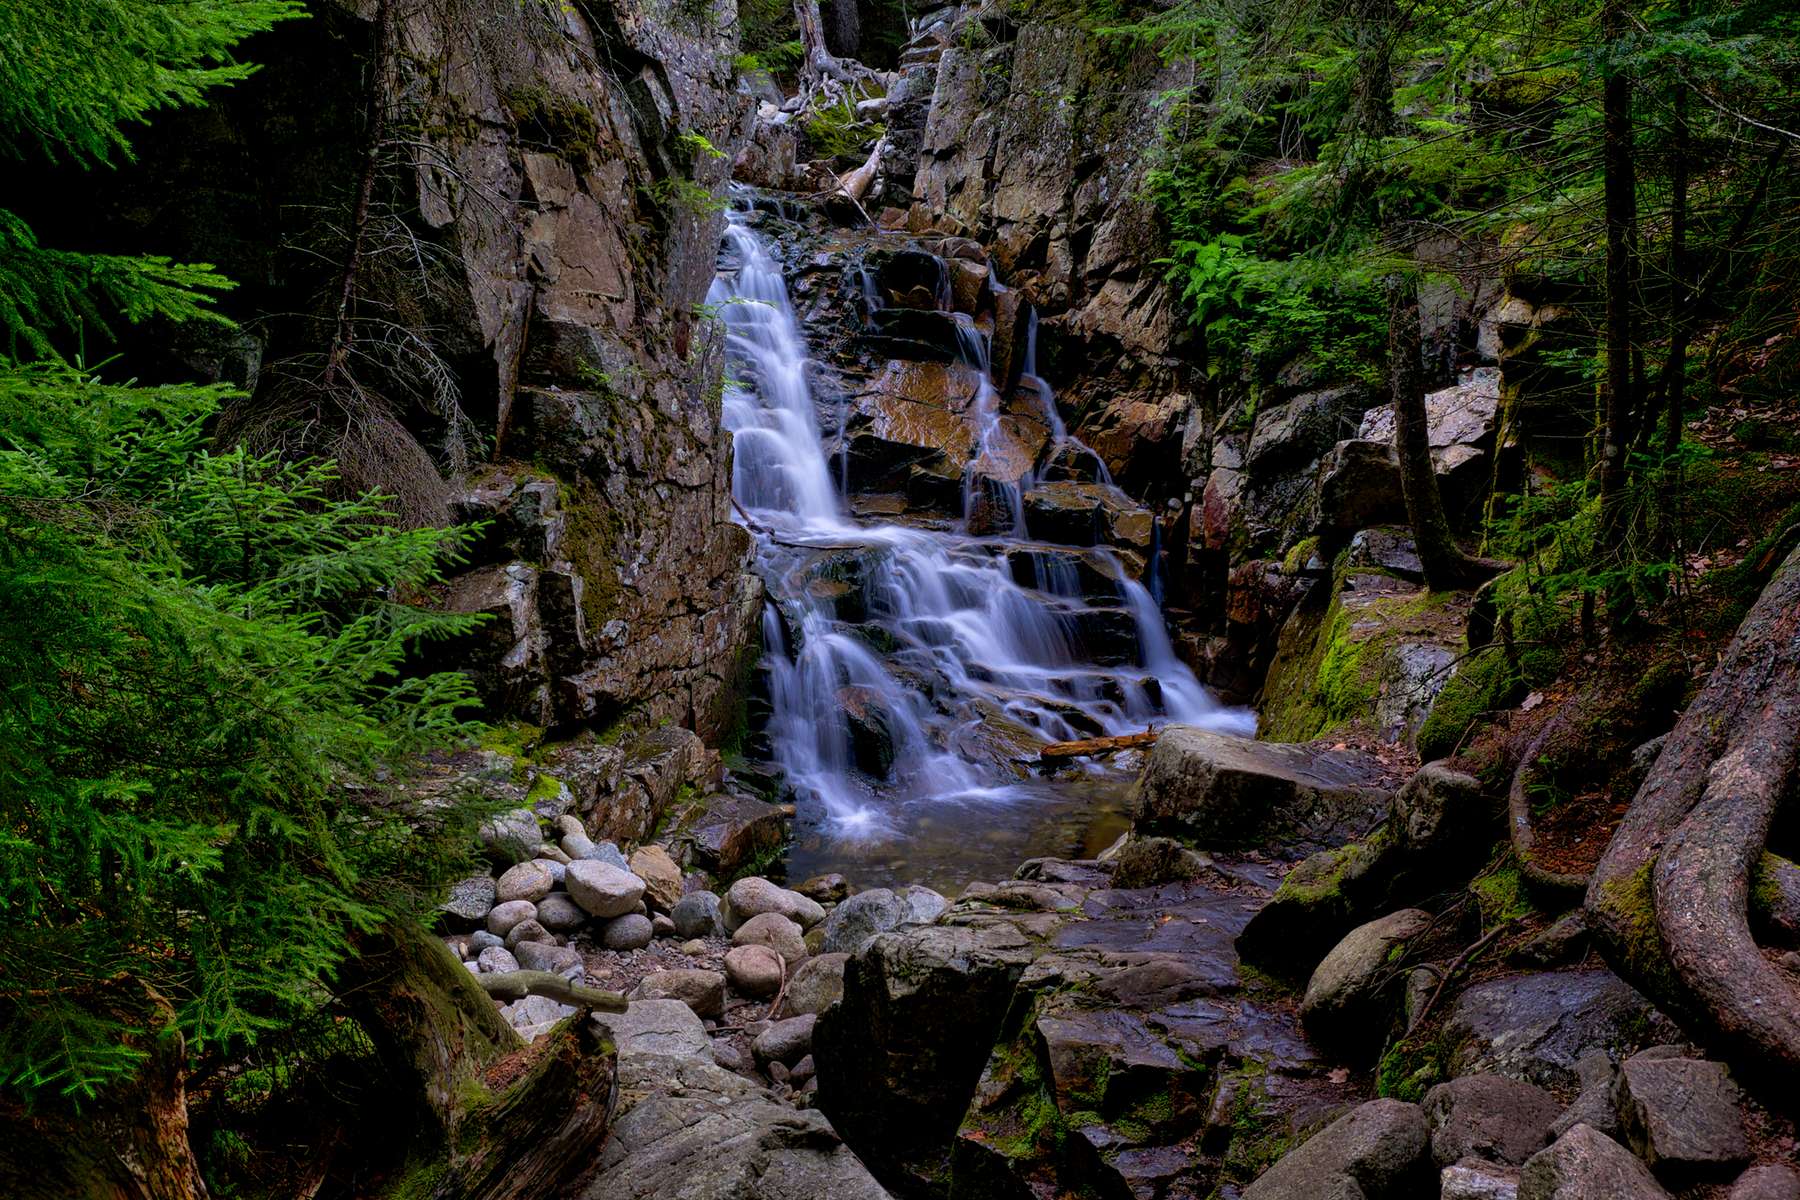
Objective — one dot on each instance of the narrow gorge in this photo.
(1015, 600)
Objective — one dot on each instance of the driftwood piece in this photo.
(1669, 902)
(1097, 745)
(508, 986)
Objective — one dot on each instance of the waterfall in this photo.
(906, 665)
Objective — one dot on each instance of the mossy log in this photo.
(498, 1120)
(1669, 903)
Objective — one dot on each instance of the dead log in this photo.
(1669, 902)
(497, 1120)
(516, 985)
(1098, 745)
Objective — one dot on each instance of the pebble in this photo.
(662, 926)
(695, 948)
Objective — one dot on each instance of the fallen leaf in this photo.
(1532, 701)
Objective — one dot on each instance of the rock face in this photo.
(1226, 791)
(1379, 1147)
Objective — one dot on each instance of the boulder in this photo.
(545, 956)
(661, 876)
(1769, 1181)
(696, 915)
(471, 899)
(1442, 812)
(826, 889)
(774, 931)
(528, 930)
(511, 837)
(1342, 1007)
(1299, 431)
(1585, 1164)
(559, 914)
(733, 830)
(602, 889)
(496, 960)
(860, 918)
(632, 931)
(1488, 1117)
(1389, 549)
(525, 881)
(1153, 861)
(1477, 1180)
(752, 897)
(818, 983)
(1536, 1027)
(702, 991)
(754, 971)
(899, 1055)
(1221, 790)
(1682, 1116)
(502, 918)
(1378, 1146)
(785, 1041)
(1595, 1104)
(666, 1028)
(923, 906)
(1358, 486)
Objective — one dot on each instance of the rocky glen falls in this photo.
(856, 599)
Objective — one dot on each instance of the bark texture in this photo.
(1669, 903)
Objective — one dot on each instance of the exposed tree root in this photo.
(1669, 902)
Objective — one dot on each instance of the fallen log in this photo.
(1098, 745)
(508, 986)
(1669, 902)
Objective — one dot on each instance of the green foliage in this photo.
(204, 714)
(768, 37)
(835, 131)
(74, 71)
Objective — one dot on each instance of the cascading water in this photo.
(911, 669)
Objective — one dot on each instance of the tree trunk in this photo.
(1669, 902)
(1444, 563)
(817, 63)
(1620, 189)
(478, 1135)
(129, 1143)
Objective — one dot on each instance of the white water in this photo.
(973, 670)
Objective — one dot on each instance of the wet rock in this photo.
(511, 837)
(1220, 790)
(825, 889)
(817, 984)
(602, 889)
(632, 931)
(754, 971)
(1343, 1005)
(543, 956)
(471, 899)
(525, 881)
(774, 931)
(1535, 1027)
(923, 906)
(1488, 1117)
(702, 991)
(1585, 1164)
(1769, 1181)
(733, 831)
(502, 918)
(871, 725)
(1682, 1115)
(696, 915)
(785, 1041)
(899, 1055)
(1379, 1146)
(657, 1027)
(661, 876)
(1152, 861)
(496, 960)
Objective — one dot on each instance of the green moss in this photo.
(515, 739)
(544, 786)
(554, 122)
(1486, 684)
(1296, 558)
(1628, 909)
(1410, 1067)
(1766, 895)
(1502, 895)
